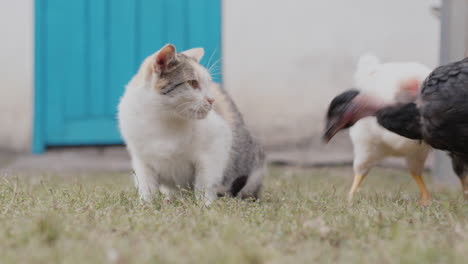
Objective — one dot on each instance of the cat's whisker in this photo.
(215, 72)
(215, 64)
(211, 57)
(212, 65)
(184, 104)
(182, 110)
(200, 107)
(187, 110)
(217, 69)
(197, 108)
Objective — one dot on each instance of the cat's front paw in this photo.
(145, 197)
(208, 198)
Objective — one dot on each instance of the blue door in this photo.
(87, 50)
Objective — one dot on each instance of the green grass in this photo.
(303, 217)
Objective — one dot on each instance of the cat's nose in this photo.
(210, 100)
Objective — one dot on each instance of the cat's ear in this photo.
(196, 53)
(165, 58)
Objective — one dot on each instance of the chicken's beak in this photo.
(333, 127)
(337, 123)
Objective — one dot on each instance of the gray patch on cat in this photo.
(181, 70)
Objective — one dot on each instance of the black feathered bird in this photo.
(438, 116)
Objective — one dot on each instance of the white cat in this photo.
(174, 137)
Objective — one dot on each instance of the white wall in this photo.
(284, 60)
(16, 74)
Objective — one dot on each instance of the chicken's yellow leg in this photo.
(464, 182)
(425, 195)
(356, 182)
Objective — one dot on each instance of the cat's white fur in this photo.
(169, 151)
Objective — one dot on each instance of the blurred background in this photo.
(64, 64)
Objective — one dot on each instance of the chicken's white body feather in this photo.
(371, 142)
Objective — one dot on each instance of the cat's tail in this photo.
(237, 185)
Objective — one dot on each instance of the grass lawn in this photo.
(303, 217)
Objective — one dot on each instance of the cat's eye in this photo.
(194, 84)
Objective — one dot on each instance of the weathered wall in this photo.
(16, 74)
(284, 60)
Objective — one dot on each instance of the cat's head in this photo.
(181, 83)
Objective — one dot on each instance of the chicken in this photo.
(371, 142)
(439, 116)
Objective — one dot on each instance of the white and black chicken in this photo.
(436, 114)
(371, 142)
